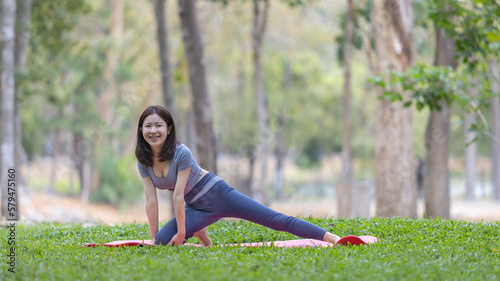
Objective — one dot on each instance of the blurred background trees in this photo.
(270, 94)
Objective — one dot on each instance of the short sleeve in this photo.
(142, 170)
(186, 158)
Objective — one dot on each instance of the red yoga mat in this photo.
(303, 243)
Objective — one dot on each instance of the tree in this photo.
(8, 103)
(474, 26)
(193, 47)
(466, 35)
(281, 141)
(437, 140)
(344, 189)
(471, 146)
(395, 168)
(259, 25)
(495, 126)
(163, 51)
(23, 25)
(60, 63)
(109, 94)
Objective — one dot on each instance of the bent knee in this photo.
(161, 240)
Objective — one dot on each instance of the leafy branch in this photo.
(431, 86)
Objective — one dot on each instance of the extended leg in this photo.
(235, 204)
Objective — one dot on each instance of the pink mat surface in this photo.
(303, 243)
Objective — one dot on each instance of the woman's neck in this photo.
(156, 153)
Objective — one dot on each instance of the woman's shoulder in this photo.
(180, 146)
(181, 149)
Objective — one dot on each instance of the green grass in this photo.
(409, 249)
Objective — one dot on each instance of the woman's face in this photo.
(155, 131)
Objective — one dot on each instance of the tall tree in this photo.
(109, 93)
(280, 144)
(163, 50)
(260, 15)
(59, 63)
(23, 24)
(193, 49)
(395, 169)
(471, 147)
(437, 140)
(495, 127)
(7, 97)
(344, 191)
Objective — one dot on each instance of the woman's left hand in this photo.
(177, 239)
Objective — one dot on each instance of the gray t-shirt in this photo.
(182, 160)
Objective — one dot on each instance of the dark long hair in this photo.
(143, 150)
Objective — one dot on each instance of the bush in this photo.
(120, 180)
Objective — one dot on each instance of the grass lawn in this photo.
(409, 249)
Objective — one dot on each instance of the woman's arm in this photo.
(180, 212)
(151, 206)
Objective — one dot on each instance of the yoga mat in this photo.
(303, 243)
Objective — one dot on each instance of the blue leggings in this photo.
(222, 201)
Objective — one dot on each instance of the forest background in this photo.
(284, 99)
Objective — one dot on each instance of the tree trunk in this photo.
(81, 153)
(55, 157)
(344, 189)
(193, 49)
(246, 187)
(280, 153)
(109, 93)
(396, 165)
(78, 158)
(368, 87)
(437, 141)
(8, 103)
(191, 132)
(280, 148)
(163, 50)
(278, 177)
(264, 143)
(495, 128)
(23, 25)
(470, 149)
(87, 179)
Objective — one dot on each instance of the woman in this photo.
(165, 163)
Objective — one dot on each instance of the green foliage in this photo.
(409, 249)
(291, 3)
(52, 20)
(61, 70)
(120, 183)
(311, 155)
(474, 25)
(361, 16)
(430, 85)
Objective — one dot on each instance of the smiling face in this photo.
(156, 136)
(155, 131)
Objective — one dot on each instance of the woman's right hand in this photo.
(151, 206)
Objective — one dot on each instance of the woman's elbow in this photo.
(178, 199)
(151, 202)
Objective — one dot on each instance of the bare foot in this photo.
(203, 237)
(332, 238)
